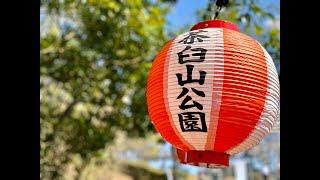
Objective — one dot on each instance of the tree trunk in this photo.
(175, 164)
(81, 168)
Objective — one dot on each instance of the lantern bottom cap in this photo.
(209, 159)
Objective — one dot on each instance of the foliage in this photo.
(121, 156)
(143, 171)
(94, 59)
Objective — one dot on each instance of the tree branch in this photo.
(69, 109)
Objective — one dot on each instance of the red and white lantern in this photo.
(213, 92)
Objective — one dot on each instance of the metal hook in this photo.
(220, 4)
(217, 13)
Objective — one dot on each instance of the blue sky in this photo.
(184, 11)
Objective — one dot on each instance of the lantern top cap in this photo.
(215, 24)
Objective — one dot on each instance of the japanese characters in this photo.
(191, 120)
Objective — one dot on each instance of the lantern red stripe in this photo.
(165, 95)
(269, 112)
(161, 114)
(226, 136)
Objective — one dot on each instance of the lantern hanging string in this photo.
(220, 4)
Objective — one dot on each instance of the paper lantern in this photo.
(212, 92)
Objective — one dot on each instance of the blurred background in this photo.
(95, 56)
